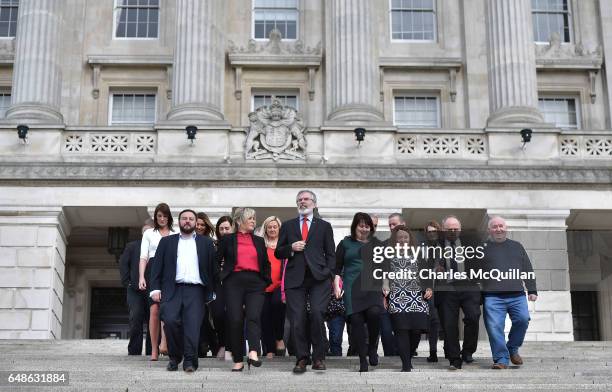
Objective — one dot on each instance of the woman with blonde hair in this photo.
(245, 276)
(273, 314)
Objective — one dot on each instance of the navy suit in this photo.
(182, 305)
(308, 274)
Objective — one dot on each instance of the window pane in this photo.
(137, 19)
(414, 111)
(133, 108)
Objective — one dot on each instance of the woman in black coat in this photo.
(245, 275)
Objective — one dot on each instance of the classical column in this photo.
(543, 234)
(198, 71)
(353, 85)
(36, 87)
(513, 92)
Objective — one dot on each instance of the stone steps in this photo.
(103, 365)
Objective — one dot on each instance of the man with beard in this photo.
(307, 242)
(182, 279)
(456, 293)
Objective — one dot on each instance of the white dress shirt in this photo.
(187, 265)
(150, 241)
(309, 222)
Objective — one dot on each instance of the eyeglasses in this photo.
(304, 199)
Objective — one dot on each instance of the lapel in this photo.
(298, 229)
(199, 250)
(174, 247)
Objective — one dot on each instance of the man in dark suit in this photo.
(182, 279)
(455, 293)
(137, 300)
(308, 244)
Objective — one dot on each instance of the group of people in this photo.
(235, 293)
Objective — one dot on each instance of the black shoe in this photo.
(455, 365)
(363, 365)
(414, 354)
(300, 366)
(433, 357)
(280, 353)
(254, 362)
(407, 369)
(373, 359)
(308, 361)
(189, 369)
(467, 358)
(319, 364)
(238, 370)
(172, 366)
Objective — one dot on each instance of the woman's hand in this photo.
(338, 292)
(142, 283)
(385, 291)
(428, 294)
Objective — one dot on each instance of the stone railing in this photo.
(109, 142)
(585, 145)
(441, 143)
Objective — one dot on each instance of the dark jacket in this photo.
(163, 272)
(227, 250)
(507, 256)
(128, 264)
(319, 253)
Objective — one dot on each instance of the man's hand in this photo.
(156, 297)
(532, 297)
(298, 246)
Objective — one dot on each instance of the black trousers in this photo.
(272, 320)
(405, 343)
(358, 321)
(244, 298)
(138, 306)
(182, 316)
(450, 303)
(217, 310)
(434, 327)
(318, 291)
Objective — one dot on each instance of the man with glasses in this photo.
(307, 242)
(454, 293)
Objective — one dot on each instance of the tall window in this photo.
(275, 14)
(8, 17)
(5, 103)
(265, 99)
(413, 20)
(136, 18)
(550, 16)
(561, 111)
(132, 108)
(416, 111)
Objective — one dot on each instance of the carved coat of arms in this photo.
(275, 132)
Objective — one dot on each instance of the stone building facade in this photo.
(442, 88)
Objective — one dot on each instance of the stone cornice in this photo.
(275, 174)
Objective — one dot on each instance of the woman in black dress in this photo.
(406, 299)
(363, 298)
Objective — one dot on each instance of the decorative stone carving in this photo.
(276, 132)
(7, 47)
(558, 50)
(109, 143)
(441, 146)
(275, 45)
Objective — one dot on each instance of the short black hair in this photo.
(357, 219)
(188, 210)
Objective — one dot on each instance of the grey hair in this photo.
(242, 214)
(314, 197)
(398, 215)
(447, 217)
(495, 217)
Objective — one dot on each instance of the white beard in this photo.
(305, 211)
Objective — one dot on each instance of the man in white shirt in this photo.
(182, 279)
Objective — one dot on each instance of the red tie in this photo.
(304, 228)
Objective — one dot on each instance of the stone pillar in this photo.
(33, 247)
(605, 13)
(513, 94)
(199, 59)
(353, 84)
(543, 234)
(36, 87)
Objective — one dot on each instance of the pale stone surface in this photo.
(37, 73)
(18, 236)
(198, 62)
(512, 74)
(32, 299)
(6, 298)
(40, 320)
(34, 257)
(14, 319)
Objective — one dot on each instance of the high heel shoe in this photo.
(154, 357)
(363, 365)
(254, 362)
(237, 369)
